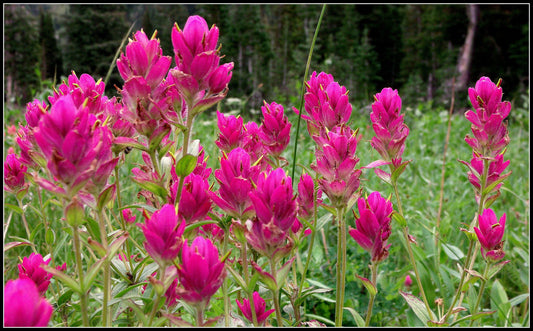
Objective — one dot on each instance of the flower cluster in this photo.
(373, 226)
(490, 235)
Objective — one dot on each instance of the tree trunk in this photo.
(465, 57)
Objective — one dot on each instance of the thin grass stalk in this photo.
(275, 294)
(117, 53)
(341, 267)
(481, 290)
(106, 316)
(83, 294)
(374, 278)
(443, 173)
(303, 88)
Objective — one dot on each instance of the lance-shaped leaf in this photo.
(473, 317)
(399, 170)
(399, 218)
(129, 142)
(372, 290)
(115, 245)
(281, 274)
(495, 268)
(358, 319)
(265, 277)
(417, 306)
(64, 278)
(15, 244)
(383, 175)
(237, 277)
(186, 165)
(92, 272)
(155, 188)
(106, 196)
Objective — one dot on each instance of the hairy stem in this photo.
(374, 270)
(341, 267)
(275, 294)
(83, 294)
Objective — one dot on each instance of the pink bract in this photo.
(23, 306)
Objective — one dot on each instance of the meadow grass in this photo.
(420, 193)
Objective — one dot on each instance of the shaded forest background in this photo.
(417, 49)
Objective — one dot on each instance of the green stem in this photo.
(472, 252)
(122, 221)
(481, 290)
(374, 270)
(303, 87)
(83, 294)
(410, 251)
(225, 283)
(25, 222)
(341, 267)
(106, 317)
(244, 258)
(199, 315)
(162, 269)
(275, 294)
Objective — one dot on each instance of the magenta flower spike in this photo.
(163, 232)
(201, 272)
(373, 225)
(335, 162)
(260, 309)
(275, 207)
(144, 57)
(23, 306)
(236, 178)
(30, 268)
(490, 235)
(74, 144)
(14, 171)
(490, 132)
(232, 133)
(275, 129)
(387, 121)
(199, 77)
(306, 197)
(129, 218)
(195, 203)
(326, 104)
(34, 111)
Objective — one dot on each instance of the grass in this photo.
(419, 190)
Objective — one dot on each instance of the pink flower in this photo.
(275, 129)
(85, 91)
(490, 235)
(335, 162)
(75, 146)
(373, 225)
(144, 58)
(326, 103)
(236, 178)
(275, 207)
(306, 197)
(199, 77)
(408, 281)
(14, 172)
(495, 175)
(34, 111)
(201, 272)
(259, 306)
(387, 121)
(231, 132)
(163, 233)
(490, 132)
(30, 268)
(23, 306)
(195, 203)
(128, 216)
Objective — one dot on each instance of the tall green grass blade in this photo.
(112, 66)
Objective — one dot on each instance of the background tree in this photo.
(92, 36)
(51, 58)
(21, 55)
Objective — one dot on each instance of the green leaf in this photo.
(473, 317)
(115, 245)
(155, 188)
(320, 318)
(518, 299)
(495, 268)
(15, 244)
(399, 218)
(50, 236)
(186, 165)
(499, 300)
(66, 280)
(106, 196)
(237, 277)
(372, 290)
(282, 273)
(453, 252)
(398, 171)
(417, 306)
(15, 208)
(358, 319)
(92, 272)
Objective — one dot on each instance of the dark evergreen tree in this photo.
(94, 33)
(21, 55)
(51, 58)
